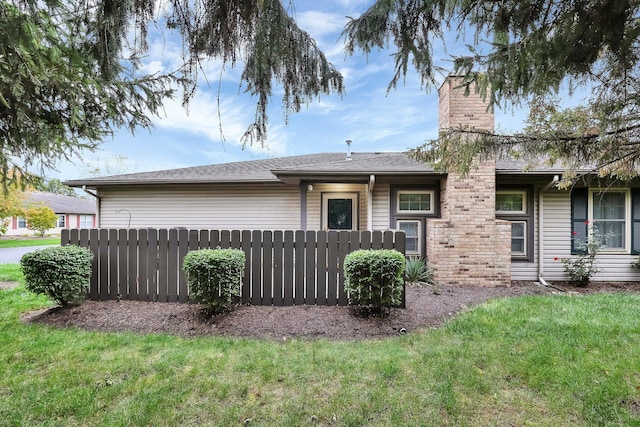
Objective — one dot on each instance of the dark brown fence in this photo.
(282, 267)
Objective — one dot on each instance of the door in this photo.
(339, 211)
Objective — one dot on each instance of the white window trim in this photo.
(356, 208)
(85, 218)
(431, 209)
(525, 240)
(523, 211)
(418, 250)
(627, 217)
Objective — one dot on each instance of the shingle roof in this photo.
(61, 204)
(265, 170)
(270, 170)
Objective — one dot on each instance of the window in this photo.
(613, 213)
(22, 222)
(511, 202)
(415, 201)
(340, 211)
(513, 205)
(86, 221)
(518, 238)
(411, 228)
(60, 223)
(609, 214)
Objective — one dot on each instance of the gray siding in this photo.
(557, 235)
(264, 207)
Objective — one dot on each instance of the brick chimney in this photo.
(468, 245)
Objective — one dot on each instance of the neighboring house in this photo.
(499, 223)
(72, 212)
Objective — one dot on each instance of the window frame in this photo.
(80, 221)
(61, 222)
(419, 239)
(429, 211)
(355, 208)
(525, 204)
(627, 217)
(525, 216)
(525, 240)
(21, 222)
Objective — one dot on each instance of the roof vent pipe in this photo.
(348, 149)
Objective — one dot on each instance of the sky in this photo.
(369, 116)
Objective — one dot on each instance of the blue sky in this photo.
(366, 114)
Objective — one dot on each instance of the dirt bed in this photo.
(425, 308)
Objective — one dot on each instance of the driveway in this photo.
(13, 255)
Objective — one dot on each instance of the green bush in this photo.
(60, 272)
(214, 276)
(374, 278)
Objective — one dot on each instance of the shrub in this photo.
(418, 270)
(40, 218)
(214, 276)
(374, 278)
(582, 266)
(60, 272)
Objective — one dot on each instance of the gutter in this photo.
(541, 280)
(95, 195)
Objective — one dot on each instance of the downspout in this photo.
(372, 183)
(84, 188)
(556, 178)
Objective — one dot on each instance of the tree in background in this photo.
(56, 186)
(525, 51)
(40, 218)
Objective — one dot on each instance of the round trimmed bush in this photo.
(62, 273)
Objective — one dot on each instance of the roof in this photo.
(61, 204)
(269, 170)
(292, 169)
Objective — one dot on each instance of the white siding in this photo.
(314, 202)
(263, 207)
(381, 215)
(557, 235)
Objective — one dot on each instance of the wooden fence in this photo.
(282, 267)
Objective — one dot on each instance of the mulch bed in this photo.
(426, 308)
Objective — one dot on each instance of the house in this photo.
(72, 212)
(497, 224)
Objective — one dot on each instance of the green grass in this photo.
(537, 360)
(6, 242)
(10, 273)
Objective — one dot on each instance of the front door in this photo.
(339, 211)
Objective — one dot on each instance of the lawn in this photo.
(7, 242)
(535, 360)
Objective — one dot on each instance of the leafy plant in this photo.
(583, 266)
(417, 270)
(61, 273)
(374, 278)
(215, 276)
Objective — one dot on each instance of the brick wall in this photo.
(468, 245)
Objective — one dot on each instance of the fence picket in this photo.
(256, 267)
(113, 263)
(142, 265)
(288, 282)
(163, 265)
(278, 247)
(321, 268)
